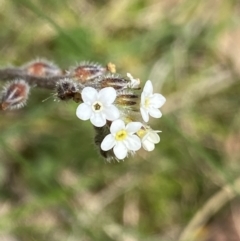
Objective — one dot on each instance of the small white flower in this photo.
(122, 138)
(134, 83)
(98, 106)
(150, 139)
(151, 102)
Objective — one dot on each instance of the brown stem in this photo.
(41, 82)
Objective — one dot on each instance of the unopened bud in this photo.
(85, 72)
(67, 89)
(127, 99)
(115, 81)
(14, 95)
(42, 68)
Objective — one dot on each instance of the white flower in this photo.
(98, 106)
(122, 138)
(150, 102)
(134, 83)
(150, 139)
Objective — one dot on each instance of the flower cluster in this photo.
(114, 104)
(120, 114)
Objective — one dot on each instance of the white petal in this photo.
(148, 146)
(98, 120)
(84, 111)
(108, 142)
(120, 150)
(134, 83)
(148, 88)
(157, 100)
(153, 137)
(107, 95)
(133, 127)
(130, 76)
(111, 112)
(133, 143)
(156, 113)
(116, 126)
(144, 114)
(89, 95)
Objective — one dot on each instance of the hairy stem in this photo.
(41, 82)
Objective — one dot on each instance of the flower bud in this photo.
(67, 89)
(127, 99)
(14, 95)
(115, 81)
(85, 72)
(42, 68)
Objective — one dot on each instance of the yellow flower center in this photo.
(121, 135)
(147, 102)
(97, 106)
(141, 133)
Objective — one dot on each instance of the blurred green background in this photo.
(54, 185)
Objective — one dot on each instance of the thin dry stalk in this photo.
(211, 207)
